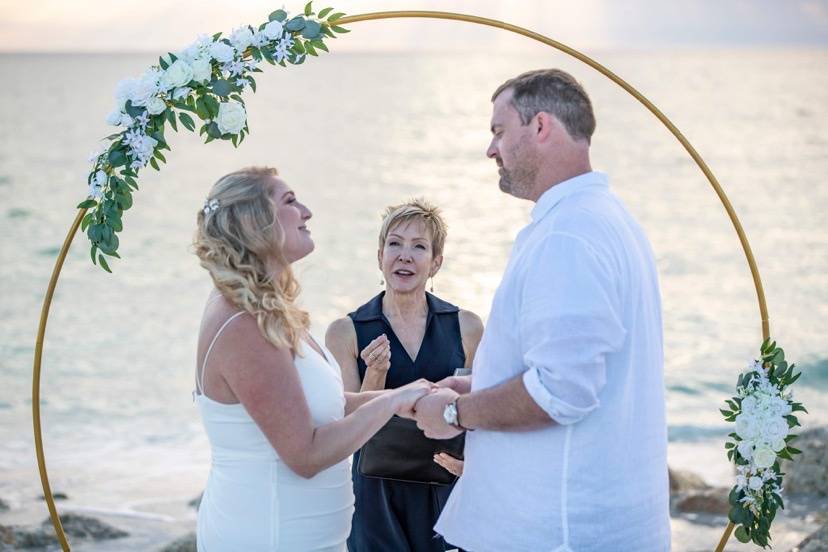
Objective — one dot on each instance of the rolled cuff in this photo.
(560, 411)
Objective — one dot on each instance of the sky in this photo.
(155, 25)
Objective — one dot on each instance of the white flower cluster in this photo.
(762, 428)
(197, 63)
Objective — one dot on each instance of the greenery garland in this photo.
(763, 411)
(203, 81)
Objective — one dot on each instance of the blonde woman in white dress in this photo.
(280, 426)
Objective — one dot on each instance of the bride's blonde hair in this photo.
(238, 240)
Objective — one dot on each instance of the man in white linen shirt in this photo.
(569, 451)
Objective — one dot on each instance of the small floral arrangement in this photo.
(203, 81)
(763, 411)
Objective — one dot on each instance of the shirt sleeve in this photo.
(570, 321)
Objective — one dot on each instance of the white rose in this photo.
(755, 483)
(222, 52)
(126, 120)
(273, 30)
(763, 457)
(178, 74)
(746, 427)
(241, 38)
(775, 429)
(146, 88)
(746, 449)
(114, 118)
(202, 69)
(231, 118)
(156, 106)
(778, 445)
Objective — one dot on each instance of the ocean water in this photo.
(353, 133)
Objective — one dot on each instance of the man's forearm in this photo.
(506, 407)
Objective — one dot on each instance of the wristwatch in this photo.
(451, 417)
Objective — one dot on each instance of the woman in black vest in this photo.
(397, 337)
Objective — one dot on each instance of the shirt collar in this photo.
(556, 193)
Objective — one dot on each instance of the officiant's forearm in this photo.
(506, 407)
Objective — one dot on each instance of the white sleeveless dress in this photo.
(253, 501)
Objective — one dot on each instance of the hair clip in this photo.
(210, 206)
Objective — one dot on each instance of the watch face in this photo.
(450, 414)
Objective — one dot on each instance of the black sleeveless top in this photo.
(441, 350)
(392, 515)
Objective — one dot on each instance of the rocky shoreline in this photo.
(698, 515)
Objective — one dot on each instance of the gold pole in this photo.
(38, 356)
(734, 219)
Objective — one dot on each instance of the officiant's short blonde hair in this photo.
(416, 209)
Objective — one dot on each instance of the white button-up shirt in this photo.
(578, 314)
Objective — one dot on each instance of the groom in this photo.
(566, 443)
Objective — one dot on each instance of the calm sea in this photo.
(353, 133)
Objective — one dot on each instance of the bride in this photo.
(271, 398)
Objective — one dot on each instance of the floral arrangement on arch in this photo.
(763, 411)
(202, 82)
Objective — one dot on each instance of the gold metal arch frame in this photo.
(731, 213)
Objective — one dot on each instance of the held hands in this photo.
(406, 397)
(377, 354)
(429, 414)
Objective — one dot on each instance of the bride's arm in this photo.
(266, 382)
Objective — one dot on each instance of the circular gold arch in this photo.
(731, 213)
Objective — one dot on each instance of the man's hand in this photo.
(429, 414)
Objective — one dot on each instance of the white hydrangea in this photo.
(222, 52)
(241, 38)
(260, 39)
(96, 185)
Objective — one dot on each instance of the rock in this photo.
(808, 473)
(683, 481)
(712, 500)
(186, 543)
(816, 542)
(196, 502)
(15, 538)
(3, 505)
(80, 526)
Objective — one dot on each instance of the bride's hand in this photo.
(406, 397)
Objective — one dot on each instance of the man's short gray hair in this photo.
(552, 91)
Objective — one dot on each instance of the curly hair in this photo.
(238, 244)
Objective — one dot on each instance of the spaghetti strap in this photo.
(200, 375)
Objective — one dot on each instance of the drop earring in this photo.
(432, 285)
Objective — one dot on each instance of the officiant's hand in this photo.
(450, 463)
(377, 354)
(429, 411)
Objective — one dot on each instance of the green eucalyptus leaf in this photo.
(309, 8)
(87, 204)
(336, 17)
(338, 29)
(213, 131)
(278, 15)
(118, 158)
(187, 121)
(154, 164)
(212, 106)
(222, 88)
(311, 30)
(741, 534)
(103, 263)
(295, 24)
(324, 12)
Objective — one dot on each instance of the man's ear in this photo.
(544, 123)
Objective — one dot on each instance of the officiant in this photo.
(402, 334)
